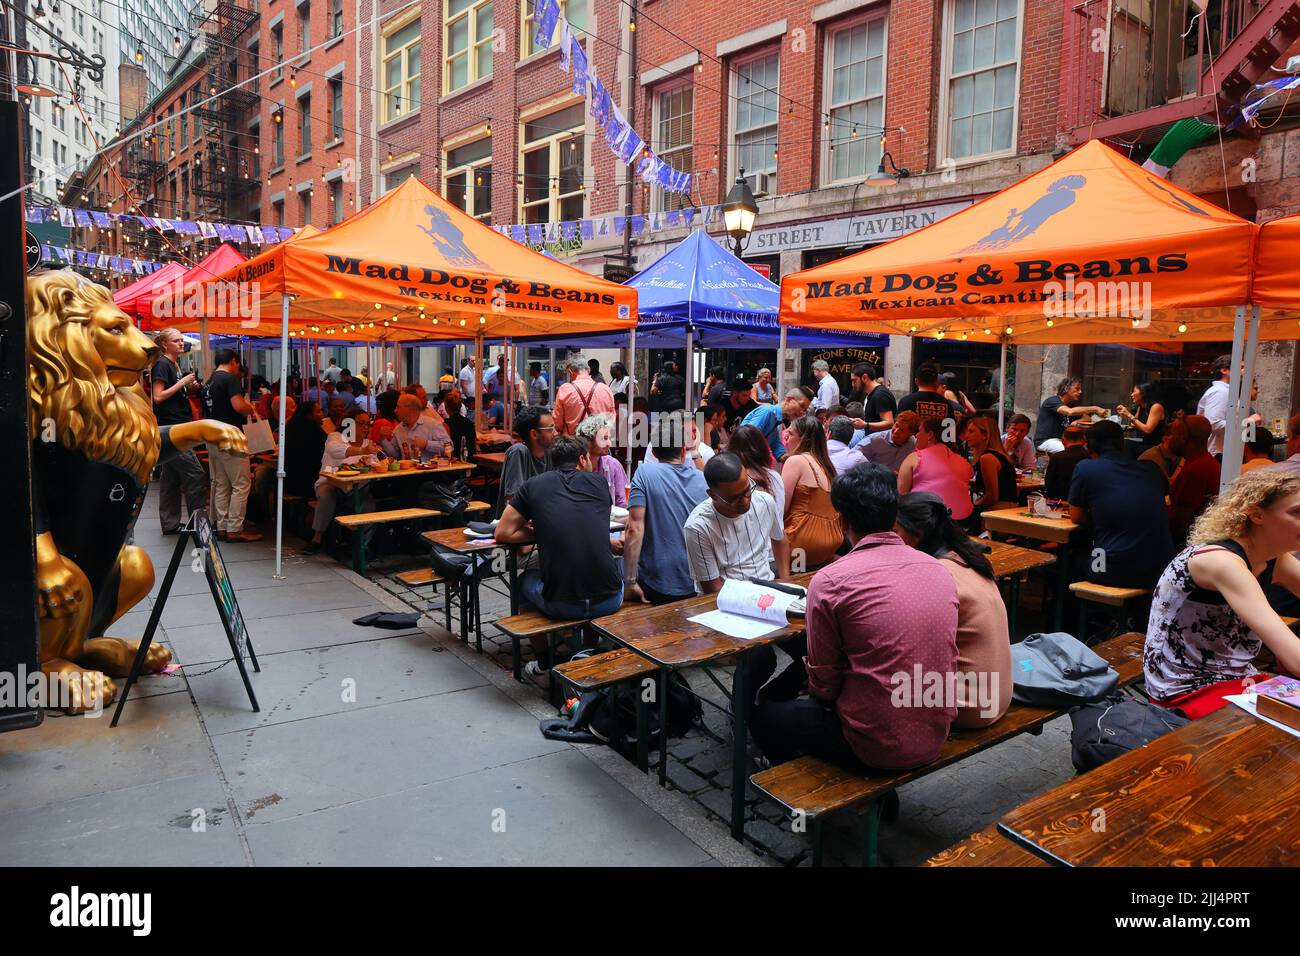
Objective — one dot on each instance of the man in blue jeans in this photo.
(568, 508)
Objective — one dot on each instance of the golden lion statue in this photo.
(95, 444)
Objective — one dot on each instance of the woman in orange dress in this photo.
(812, 525)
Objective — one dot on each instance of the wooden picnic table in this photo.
(1010, 561)
(491, 460)
(1222, 791)
(1026, 484)
(493, 439)
(665, 636)
(1020, 522)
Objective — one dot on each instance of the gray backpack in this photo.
(1055, 670)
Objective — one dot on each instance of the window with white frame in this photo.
(335, 27)
(855, 99)
(467, 42)
(754, 120)
(674, 124)
(982, 76)
(400, 51)
(553, 160)
(467, 182)
(395, 177)
(574, 11)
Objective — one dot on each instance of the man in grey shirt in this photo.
(891, 448)
(528, 457)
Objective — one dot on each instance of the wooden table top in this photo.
(1222, 791)
(1009, 559)
(453, 539)
(1030, 483)
(664, 635)
(1020, 522)
(491, 459)
(491, 439)
(986, 848)
(350, 480)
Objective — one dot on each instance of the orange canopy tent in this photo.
(1090, 249)
(162, 305)
(129, 298)
(413, 267)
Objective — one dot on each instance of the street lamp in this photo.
(738, 213)
(882, 178)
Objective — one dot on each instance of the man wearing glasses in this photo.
(530, 456)
(730, 533)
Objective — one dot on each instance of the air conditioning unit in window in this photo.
(760, 184)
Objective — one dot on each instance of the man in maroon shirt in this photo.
(1197, 481)
(878, 618)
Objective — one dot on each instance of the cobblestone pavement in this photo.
(936, 811)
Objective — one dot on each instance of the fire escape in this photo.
(223, 181)
(1139, 66)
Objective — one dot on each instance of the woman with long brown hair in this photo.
(812, 525)
(748, 444)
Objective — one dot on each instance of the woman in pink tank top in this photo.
(935, 467)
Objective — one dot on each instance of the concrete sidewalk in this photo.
(372, 747)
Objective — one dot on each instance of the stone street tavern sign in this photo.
(864, 230)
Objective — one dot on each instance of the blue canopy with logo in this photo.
(725, 304)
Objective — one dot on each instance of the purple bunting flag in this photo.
(546, 16)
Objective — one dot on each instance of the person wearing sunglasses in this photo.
(530, 456)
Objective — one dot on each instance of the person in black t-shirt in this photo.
(182, 474)
(879, 405)
(738, 401)
(223, 396)
(1060, 410)
(928, 400)
(670, 389)
(569, 511)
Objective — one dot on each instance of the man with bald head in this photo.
(1197, 481)
(415, 435)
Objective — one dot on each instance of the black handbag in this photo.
(450, 497)
(1116, 725)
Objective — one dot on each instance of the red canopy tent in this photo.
(129, 298)
(182, 297)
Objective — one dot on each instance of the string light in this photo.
(139, 55)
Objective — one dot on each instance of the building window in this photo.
(395, 177)
(304, 28)
(304, 127)
(467, 182)
(195, 121)
(254, 66)
(554, 161)
(855, 63)
(336, 19)
(277, 150)
(468, 42)
(401, 55)
(575, 11)
(336, 202)
(754, 122)
(336, 108)
(673, 126)
(277, 51)
(255, 134)
(982, 64)
(304, 199)
(36, 141)
(279, 213)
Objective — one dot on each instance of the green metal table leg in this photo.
(873, 832)
(663, 727)
(642, 730)
(817, 840)
(740, 731)
(1014, 611)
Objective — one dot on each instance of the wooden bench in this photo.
(605, 670)
(418, 577)
(363, 521)
(1089, 593)
(986, 848)
(815, 788)
(532, 624)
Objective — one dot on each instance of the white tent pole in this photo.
(1232, 430)
(780, 368)
(477, 378)
(1002, 388)
(507, 387)
(279, 466)
(631, 397)
(690, 369)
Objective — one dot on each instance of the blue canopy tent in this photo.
(698, 292)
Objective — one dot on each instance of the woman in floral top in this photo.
(1209, 616)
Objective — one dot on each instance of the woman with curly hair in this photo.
(1210, 617)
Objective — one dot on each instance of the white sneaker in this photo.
(538, 674)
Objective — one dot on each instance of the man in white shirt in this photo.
(1214, 404)
(538, 386)
(828, 390)
(1017, 445)
(468, 385)
(415, 434)
(729, 533)
(838, 435)
(332, 372)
